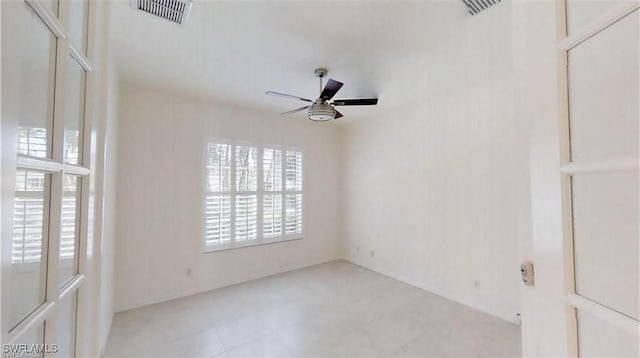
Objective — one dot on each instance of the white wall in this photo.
(161, 137)
(436, 190)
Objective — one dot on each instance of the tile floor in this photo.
(335, 309)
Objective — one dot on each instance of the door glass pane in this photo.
(69, 228)
(51, 5)
(26, 273)
(606, 239)
(28, 345)
(78, 24)
(66, 325)
(599, 338)
(28, 61)
(603, 93)
(74, 111)
(581, 13)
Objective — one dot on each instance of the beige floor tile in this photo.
(268, 346)
(332, 310)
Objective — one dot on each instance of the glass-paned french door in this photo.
(45, 69)
(599, 57)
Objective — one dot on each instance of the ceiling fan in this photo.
(322, 109)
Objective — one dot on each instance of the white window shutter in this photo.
(217, 206)
(248, 211)
(246, 217)
(272, 216)
(246, 168)
(272, 169)
(293, 200)
(294, 170)
(294, 214)
(217, 220)
(218, 167)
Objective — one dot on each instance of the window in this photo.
(253, 194)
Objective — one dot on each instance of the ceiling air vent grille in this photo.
(475, 6)
(173, 10)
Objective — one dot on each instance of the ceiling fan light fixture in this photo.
(321, 112)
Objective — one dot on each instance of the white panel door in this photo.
(585, 210)
(46, 141)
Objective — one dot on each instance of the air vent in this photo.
(475, 6)
(173, 10)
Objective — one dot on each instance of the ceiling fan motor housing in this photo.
(321, 112)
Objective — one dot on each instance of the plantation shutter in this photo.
(253, 195)
(217, 208)
(293, 200)
(272, 201)
(246, 205)
(294, 170)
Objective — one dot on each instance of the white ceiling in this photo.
(234, 51)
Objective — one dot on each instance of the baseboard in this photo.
(507, 316)
(174, 296)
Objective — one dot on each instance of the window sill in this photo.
(213, 249)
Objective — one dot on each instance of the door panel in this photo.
(77, 26)
(30, 53)
(28, 259)
(66, 321)
(44, 78)
(605, 234)
(33, 336)
(599, 338)
(603, 93)
(584, 176)
(603, 237)
(581, 13)
(74, 111)
(69, 229)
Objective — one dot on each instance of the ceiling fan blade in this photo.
(296, 110)
(338, 115)
(356, 102)
(272, 93)
(330, 89)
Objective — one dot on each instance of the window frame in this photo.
(259, 192)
